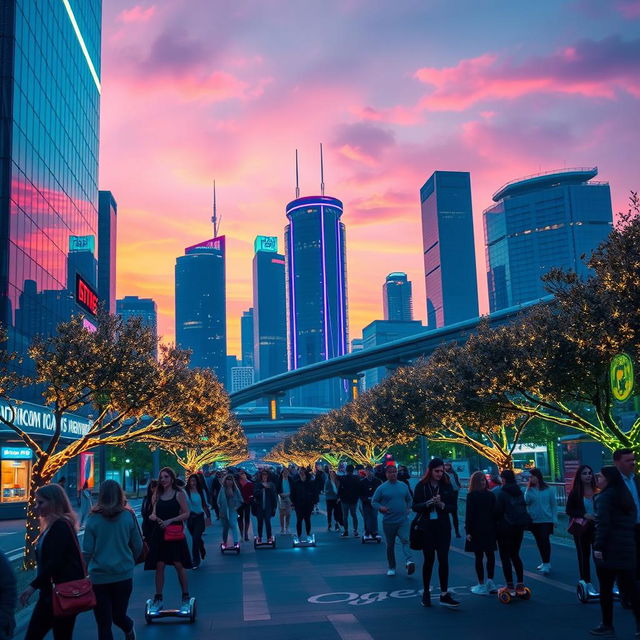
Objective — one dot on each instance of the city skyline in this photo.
(193, 107)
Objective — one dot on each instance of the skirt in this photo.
(168, 552)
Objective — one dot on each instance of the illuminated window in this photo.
(15, 476)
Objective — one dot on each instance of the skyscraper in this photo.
(107, 236)
(397, 298)
(449, 251)
(143, 308)
(316, 289)
(49, 124)
(246, 337)
(269, 308)
(539, 222)
(201, 315)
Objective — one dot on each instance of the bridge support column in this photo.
(273, 403)
(353, 382)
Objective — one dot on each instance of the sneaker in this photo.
(426, 599)
(195, 566)
(591, 590)
(546, 567)
(447, 601)
(344, 534)
(130, 635)
(491, 586)
(480, 590)
(539, 567)
(356, 534)
(157, 604)
(603, 630)
(337, 527)
(411, 567)
(391, 572)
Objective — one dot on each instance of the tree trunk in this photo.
(38, 479)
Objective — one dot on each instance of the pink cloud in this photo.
(630, 9)
(401, 115)
(137, 14)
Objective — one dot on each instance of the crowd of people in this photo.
(603, 511)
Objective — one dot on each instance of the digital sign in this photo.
(266, 243)
(16, 453)
(86, 295)
(82, 243)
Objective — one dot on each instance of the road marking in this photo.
(254, 598)
(348, 627)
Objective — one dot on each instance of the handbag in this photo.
(145, 547)
(75, 596)
(577, 526)
(174, 532)
(415, 534)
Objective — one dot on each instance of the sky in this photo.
(197, 90)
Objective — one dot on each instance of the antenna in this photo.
(321, 172)
(297, 181)
(214, 218)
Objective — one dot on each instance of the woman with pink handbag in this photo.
(168, 542)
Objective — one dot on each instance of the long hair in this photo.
(475, 482)
(615, 483)
(577, 487)
(59, 505)
(174, 481)
(434, 463)
(111, 500)
(199, 487)
(536, 473)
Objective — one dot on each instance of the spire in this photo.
(321, 172)
(297, 181)
(214, 217)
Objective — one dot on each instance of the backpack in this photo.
(515, 511)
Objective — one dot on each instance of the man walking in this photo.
(625, 462)
(393, 500)
(368, 486)
(348, 494)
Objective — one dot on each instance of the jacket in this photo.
(229, 506)
(348, 489)
(510, 504)
(303, 494)
(368, 488)
(331, 488)
(615, 531)
(7, 599)
(269, 496)
(542, 505)
(480, 521)
(435, 533)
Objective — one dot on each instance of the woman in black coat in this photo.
(615, 547)
(480, 527)
(433, 502)
(265, 501)
(303, 496)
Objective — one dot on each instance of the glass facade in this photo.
(549, 220)
(397, 298)
(246, 337)
(49, 125)
(107, 235)
(143, 308)
(449, 250)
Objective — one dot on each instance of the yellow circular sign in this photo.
(621, 377)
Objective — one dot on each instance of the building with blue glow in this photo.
(143, 308)
(397, 299)
(246, 337)
(269, 309)
(316, 282)
(107, 236)
(449, 249)
(540, 222)
(201, 313)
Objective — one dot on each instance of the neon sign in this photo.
(86, 296)
(266, 243)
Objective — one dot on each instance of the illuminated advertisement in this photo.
(82, 243)
(266, 243)
(215, 244)
(86, 295)
(621, 376)
(85, 470)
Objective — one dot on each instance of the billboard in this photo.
(266, 243)
(82, 243)
(86, 295)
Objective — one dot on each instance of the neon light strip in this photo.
(292, 304)
(313, 204)
(341, 292)
(324, 287)
(83, 46)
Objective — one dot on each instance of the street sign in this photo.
(621, 377)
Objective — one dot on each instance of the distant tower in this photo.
(107, 235)
(397, 298)
(143, 308)
(246, 337)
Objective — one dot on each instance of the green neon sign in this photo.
(621, 377)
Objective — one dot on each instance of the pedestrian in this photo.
(433, 502)
(59, 560)
(581, 512)
(512, 519)
(368, 486)
(334, 508)
(349, 493)
(480, 529)
(244, 512)
(199, 515)
(393, 499)
(302, 497)
(265, 501)
(284, 500)
(542, 505)
(216, 485)
(7, 599)
(229, 501)
(455, 485)
(614, 548)
(86, 503)
(625, 462)
(146, 509)
(168, 544)
(111, 544)
(319, 479)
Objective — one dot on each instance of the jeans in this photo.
(42, 621)
(230, 524)
(541, 532)
(370, 519)
(112, 600)
(334, 509)
(628, 592)
(509, 543)
(264, 520)
(393, 530)
(244, 519)
(350, 508)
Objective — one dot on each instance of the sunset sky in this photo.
(200, 89)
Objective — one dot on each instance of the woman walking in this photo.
(284, 500)
(581, 511)
(244, 512)
(85, 503)
(614, 548)
(303, 498)
(333, 505)
(111, 544)
(542, 505)
(265, 500)
(196, 523)
(512, 519)
(168, 542)
(480, 527)
(146, 509)
(433, 502)
(59, 560)
(229, 501)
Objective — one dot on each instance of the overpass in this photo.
(391, 354)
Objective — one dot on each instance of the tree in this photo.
(113, 373)
(300, 448)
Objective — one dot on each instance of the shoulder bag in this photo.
(174, 532)
(73, 597)
(415, 533)
(577, 526)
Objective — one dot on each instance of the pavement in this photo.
(339, 590)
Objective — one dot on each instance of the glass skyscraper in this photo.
(269, 309)
(397, 298)
(143, 308)
(539, 222)
(316, 290)
(107, 236)
(449, 250)
(201, 310)
(246, 337)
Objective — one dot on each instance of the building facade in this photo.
(201, 310)
(107, 238)
(316, 290)
(397, 299)
(269, 308)
(143, 308)
(449, 250)
(246, 337)
(540, 222)
(241, 378)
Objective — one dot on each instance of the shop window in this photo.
(15, 480)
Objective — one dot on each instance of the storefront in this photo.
(16, 459)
